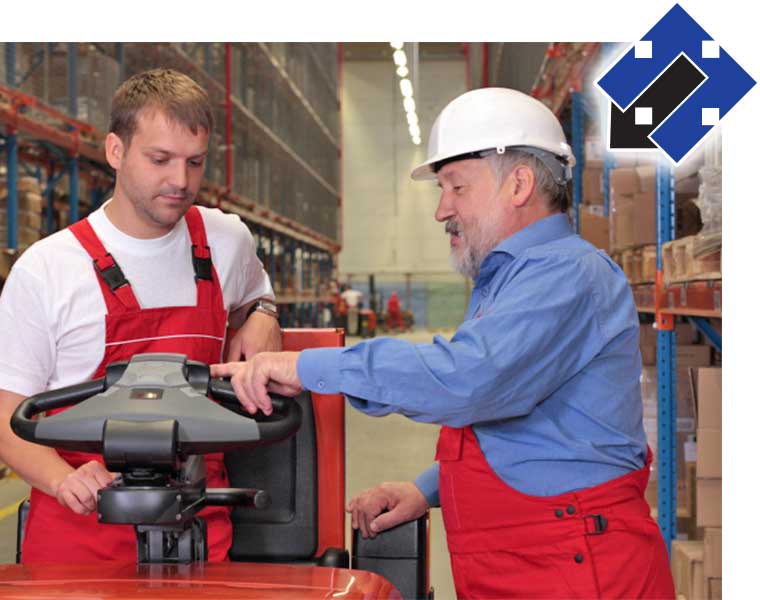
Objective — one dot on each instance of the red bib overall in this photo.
(600, 542)
(55, 533)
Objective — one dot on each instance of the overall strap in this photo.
(117, 291)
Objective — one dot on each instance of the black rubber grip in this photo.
(22, 423)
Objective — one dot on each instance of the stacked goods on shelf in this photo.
(632, 207)
(689, 357)
(29, 219)
(687, 565)
(709, 474)
(594, 225)
(698, 256)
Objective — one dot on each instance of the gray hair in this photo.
(546, 184)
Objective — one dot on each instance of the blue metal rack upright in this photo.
(666, 367)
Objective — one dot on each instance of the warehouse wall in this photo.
(388, 220)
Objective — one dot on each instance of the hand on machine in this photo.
(151, 420)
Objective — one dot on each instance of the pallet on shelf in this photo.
(639, 263)
(680, 263)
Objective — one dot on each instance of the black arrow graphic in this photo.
(663, 95)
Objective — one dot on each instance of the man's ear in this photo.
(523, 184)
(115, 151)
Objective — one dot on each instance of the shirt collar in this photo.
(542, 231)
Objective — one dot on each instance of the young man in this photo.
(147, 272)
(542, 458)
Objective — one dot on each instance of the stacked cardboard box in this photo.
(710, 473)
(632, 207)
(29, 214)
(689, 357)
(687, 566)
(594, 226)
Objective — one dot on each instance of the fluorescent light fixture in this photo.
(406, 88)
(409, 105)
(399, 57)
(402, 71)
(397, 45)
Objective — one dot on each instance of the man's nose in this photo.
(445, 209)
(178, 176)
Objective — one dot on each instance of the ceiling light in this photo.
(406, 88)
(399, 57)
(414, 130)
(411, 117)
(416, 140)
(409, 105)
(402, 71)
(397, 45)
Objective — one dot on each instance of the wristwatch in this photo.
(265, 306)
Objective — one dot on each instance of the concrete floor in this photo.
(389, 449)
(393, 448)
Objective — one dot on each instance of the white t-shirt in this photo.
(52, 312)
(352, 297)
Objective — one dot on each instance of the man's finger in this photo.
(259, 387)
(226, 369)
(386, 521)
(240, 385)
(70, 501)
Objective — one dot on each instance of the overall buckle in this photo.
(598, 523)
(112, 274)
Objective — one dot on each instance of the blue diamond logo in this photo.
(670, 89)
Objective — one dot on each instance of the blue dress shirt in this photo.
(545, 367)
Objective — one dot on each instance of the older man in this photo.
(542, 460)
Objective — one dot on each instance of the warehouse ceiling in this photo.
(383, 51)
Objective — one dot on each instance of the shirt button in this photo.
(321, 384)
(570, 510)
(578, 558)
(558, 513)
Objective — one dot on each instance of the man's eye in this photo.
(159, 161)
(458, 188)
(195, 163)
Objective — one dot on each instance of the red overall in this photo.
(394, 312)
(600, 542)
(55, 533)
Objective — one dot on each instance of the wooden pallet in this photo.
(679, 263)
(639, 264)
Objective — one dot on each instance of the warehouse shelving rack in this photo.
(298, 249)
(696, 300)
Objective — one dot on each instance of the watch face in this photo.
(265, 304)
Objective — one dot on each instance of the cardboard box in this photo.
(713, 552)
(624, 181)
(709, 397)
(647, 175)
(709, 454)
(686, 334)
(687, 566)
(595, 229)
(714, 588)
(648, 355)
(592, 185)
(622, 222)
(645, 218)
(709, 502)
(693, 355)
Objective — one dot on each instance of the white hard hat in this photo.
(492, 119)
